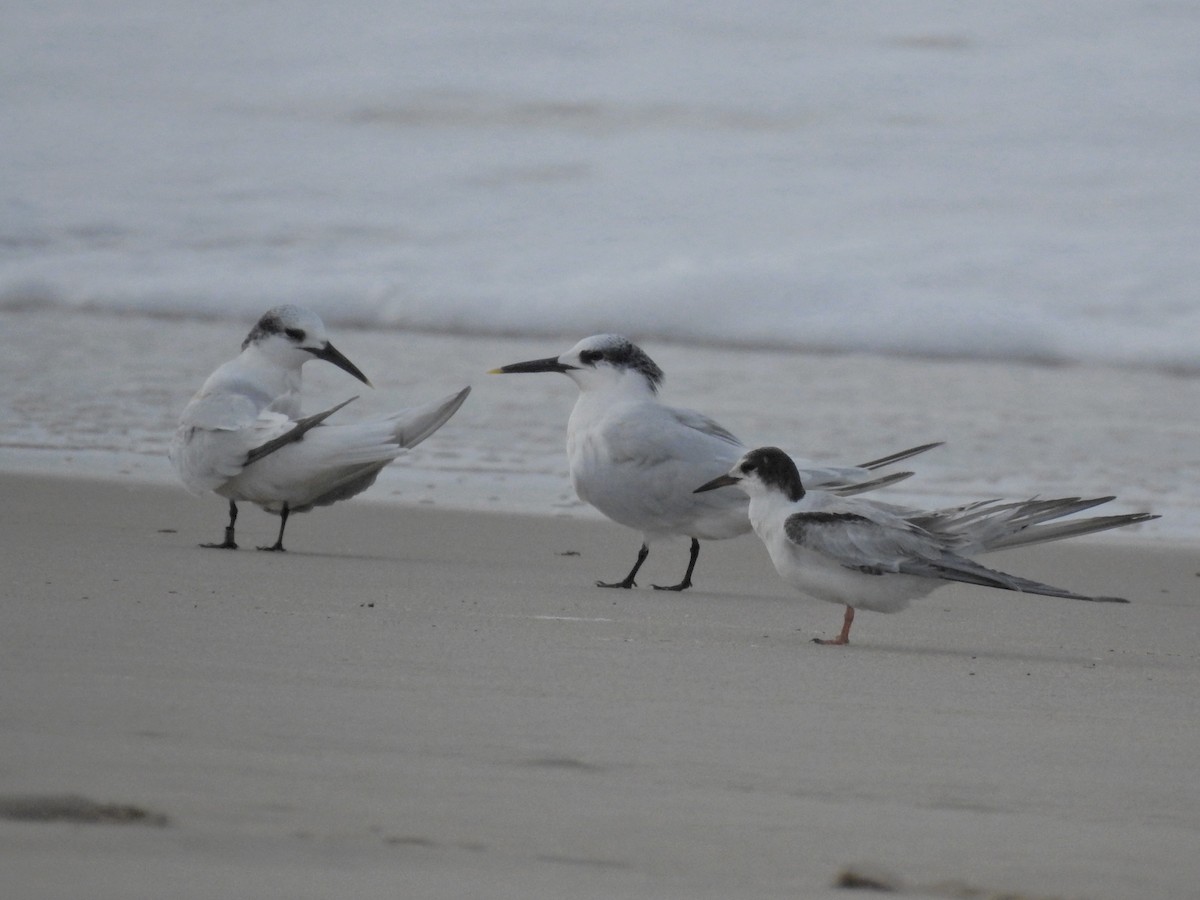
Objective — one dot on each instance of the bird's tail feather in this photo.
(1028, 512)
(382, 438)
(992, 525)
(1059, 530)
(411, 426)
(335, 462)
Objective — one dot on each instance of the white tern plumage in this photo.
(638, 460)
(242, 435)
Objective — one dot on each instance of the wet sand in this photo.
(422, 703)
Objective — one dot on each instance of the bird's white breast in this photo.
(639, 465)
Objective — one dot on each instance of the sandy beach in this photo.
(424, 703)
(842, 230)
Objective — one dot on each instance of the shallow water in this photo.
(99, 395)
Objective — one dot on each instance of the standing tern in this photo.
(637, 460)
(877, 556)
(242, 435)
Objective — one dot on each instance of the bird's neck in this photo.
(629, 387)
(767, 511)
(281, 382)
(606, 402)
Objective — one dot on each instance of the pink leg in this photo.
(844, 637)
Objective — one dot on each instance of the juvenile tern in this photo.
(243, 437)
(877, 556)
(637, 460)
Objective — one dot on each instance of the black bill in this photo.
(719, 481)
(330, 353)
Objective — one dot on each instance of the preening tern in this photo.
(243, 437)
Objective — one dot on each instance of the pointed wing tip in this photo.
(861, 487)
(321, 417)
(901, 456)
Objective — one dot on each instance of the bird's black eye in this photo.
(749, 467)
(590, 357)
(296, 334)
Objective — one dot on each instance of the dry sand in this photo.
(416, 703)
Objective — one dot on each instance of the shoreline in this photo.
(436, 703)
(1010, 431)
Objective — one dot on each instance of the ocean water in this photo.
(996, 199)
(1004, 181)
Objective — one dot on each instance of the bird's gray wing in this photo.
(293, 434)
(215, 432)
(657, 460)
(678, 439)
(689, 418)
(875, 547)
(872, 544)
(887, 541)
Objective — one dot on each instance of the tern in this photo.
(637, 460)
(242, 435)
(870, 555)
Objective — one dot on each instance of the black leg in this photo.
(277, 547)
(228, 543)
(628, 582)
(687, 576)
